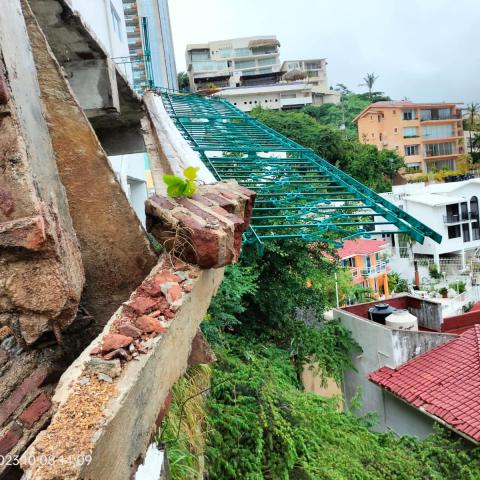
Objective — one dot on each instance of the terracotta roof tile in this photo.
(444, 382)
(360, 246)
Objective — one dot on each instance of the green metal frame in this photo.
(299, 194)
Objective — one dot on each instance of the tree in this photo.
(369, 81)
(473, 110)
(183, 82)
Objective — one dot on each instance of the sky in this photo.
(423, 50)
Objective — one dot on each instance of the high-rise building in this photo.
(150, 42)
(234, 63)
(428, 135)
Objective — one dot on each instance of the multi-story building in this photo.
(366, 260)
(314, 73)
(150, 43)
(234, 63)
(451, 209)
(428, 135)
(276, 96)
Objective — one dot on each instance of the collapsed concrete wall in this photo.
(115, 249)
(41, 275)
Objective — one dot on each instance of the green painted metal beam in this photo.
(299, 194)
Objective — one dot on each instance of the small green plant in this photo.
(434, 273)
(178, 187)
(459, 287)
(443, 292)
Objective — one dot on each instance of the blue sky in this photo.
(424, 50)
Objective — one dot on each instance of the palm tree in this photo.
(473, 110)
(183, 82)
(369, 81)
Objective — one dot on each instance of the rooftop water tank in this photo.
(402, 320)
(380, 312)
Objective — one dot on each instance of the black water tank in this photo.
(380, 312)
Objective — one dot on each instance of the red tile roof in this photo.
(445, 382)
(361, 246)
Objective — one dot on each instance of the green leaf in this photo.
(191, 173)
(177, 190)
(190, 188)
(171, 180)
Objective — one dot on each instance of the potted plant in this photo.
(443, 292)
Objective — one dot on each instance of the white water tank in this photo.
(402, 320)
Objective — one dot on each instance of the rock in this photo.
(129, 330)
(149, 324)
(112, 368)
(142, 304)
(113, 341)
(187, 288)
(172, 291)
(4, 356)
(83, 381)
(120, 353)
(105, 378)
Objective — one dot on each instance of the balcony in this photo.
(456, 218)
(380, 267)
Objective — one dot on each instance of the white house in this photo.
(451, 209)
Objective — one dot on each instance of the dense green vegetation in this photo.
(364, 162)
(256, 422)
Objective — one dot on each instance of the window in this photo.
(474, 215)
(435, 114)
(454, 231)
(380, 136)
(411, 150)
(410, 132)
(464, 210)
(395, 130)
(117, 26)
(438, 149)
(466, 232)
(453, 213)
(409, 114)
(437, 131)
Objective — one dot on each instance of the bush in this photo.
(459, 287)
(434, 273)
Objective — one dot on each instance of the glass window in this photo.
(410, 132)
(466, 232)
(437, 131)
(437, 149)
(453, 213)
(411, 150)
(409, 114)
(117, 26)
(454, 231)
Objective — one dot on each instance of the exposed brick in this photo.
(114, 341)
(142, 304)
(10, 439)
(129, 330)
(149, 324)
(32, 382)
(34, 412)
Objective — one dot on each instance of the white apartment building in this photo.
(277, 96)
(451, 209)
(314, 73)
(233, 63)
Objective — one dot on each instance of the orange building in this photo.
(366, 261)
(428, 135)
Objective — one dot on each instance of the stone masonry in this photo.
(206, 229)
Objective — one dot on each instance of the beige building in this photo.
(314, 73)
(428, 135)
(234, 63)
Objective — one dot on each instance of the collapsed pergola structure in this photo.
(299, 194)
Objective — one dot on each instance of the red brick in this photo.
(32, 382)
(129, 330)
(34, 412)
(142, 304)
(149, 324)
(114, 341)
(10, 439)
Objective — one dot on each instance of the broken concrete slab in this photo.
(115, 248)
(132, 402)
(41, 273)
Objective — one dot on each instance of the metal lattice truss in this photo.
(299, 195)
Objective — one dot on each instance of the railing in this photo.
(357, 272)
(455, 218)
